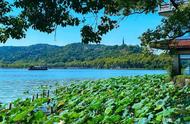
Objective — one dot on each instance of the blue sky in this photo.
(130, 29)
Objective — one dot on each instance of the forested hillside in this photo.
(82, 56)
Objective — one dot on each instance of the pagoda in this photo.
(179, 47)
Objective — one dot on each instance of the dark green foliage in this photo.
(81, 55)
(124, 100)
(10, 26)
(172, 27)
(106, 15)
(68, 13)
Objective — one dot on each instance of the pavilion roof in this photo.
(173, 44)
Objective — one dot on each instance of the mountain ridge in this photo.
(79, 55)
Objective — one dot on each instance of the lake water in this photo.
(13, 82)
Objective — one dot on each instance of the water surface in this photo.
(13, 82)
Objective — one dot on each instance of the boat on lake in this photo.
(38, 68)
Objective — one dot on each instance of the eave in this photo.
(173, 44)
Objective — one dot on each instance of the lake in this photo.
(13, 82)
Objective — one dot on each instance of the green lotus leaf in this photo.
(109, 110)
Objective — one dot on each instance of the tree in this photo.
(10, 26)
(177, 25)
(46, 15)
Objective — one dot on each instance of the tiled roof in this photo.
(180, 43)
(175, 44)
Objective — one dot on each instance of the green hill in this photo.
(80, 55)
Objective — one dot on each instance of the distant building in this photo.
(123, 42)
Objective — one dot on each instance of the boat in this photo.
(38, 68)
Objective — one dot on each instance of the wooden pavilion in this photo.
(180, 47)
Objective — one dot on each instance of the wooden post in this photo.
(43, 93)
(32, 98)
(10, 106)
(37, 96)
(51, 110)
(48, 93)
(49, 100)
(176, 68)
(56, 91)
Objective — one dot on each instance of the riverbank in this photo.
(139, 99)
(88, 68)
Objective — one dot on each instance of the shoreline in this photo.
(89, 68)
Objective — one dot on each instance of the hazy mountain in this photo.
(75, 51)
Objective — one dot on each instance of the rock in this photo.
(187, 82)
(61, 122)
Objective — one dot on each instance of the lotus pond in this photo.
(123, 100)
